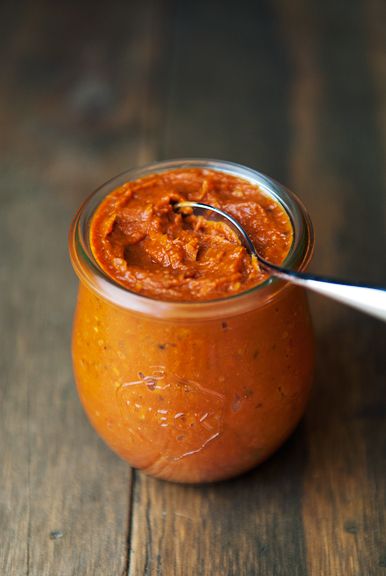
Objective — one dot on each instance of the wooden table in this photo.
(293, 88)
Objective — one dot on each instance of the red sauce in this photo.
(143, 243)
(190, 398)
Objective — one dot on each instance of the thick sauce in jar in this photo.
(143, 243)
(202, 397)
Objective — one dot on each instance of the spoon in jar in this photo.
(370, 299)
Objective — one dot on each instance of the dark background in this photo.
(293, 88)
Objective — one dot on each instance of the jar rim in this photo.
(90, 273)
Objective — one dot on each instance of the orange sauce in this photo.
(192, 399)
(144, 244)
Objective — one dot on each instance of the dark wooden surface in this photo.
(293, 88)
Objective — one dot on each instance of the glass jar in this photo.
(193, 391)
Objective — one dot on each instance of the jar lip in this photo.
(89, 272)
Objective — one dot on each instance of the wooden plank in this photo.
(227, 100)
(337, 168)
(229, 65)
(76, 107)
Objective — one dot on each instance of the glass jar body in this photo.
(194, 400)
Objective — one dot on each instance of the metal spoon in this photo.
(370, 299)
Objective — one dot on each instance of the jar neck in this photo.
(105, 287)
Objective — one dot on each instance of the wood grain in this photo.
(75, 108)
(294, 89)
(251, 525)
(339, 496)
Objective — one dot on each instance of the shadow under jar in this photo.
(193, 391)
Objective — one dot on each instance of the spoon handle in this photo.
(370, 299)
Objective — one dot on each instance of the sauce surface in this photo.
(140, 241)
